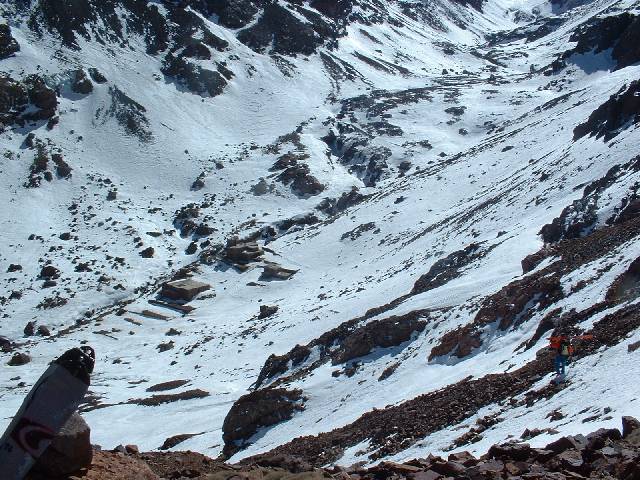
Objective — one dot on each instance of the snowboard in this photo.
(44, 411)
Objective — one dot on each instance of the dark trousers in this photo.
(561, 363)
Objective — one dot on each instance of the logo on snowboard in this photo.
(30, 435)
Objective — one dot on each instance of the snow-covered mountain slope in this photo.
(451, 181)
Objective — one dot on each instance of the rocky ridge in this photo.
(604, 453)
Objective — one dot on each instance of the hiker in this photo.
(563, 348)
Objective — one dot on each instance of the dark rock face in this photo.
(299, 177)
(510, 307)
(448, 268)
(390, 332)
(279, 364)
(621, 110)
(49, 271)
(267, 311)
(197, 79)
(580, 218)
(129, 114)
(69, 451)
(81, 83)
(620, 33)
(233, 13)
(279, 28)
(336, 9)
(333, 206)
(17, 96)
(8, 44)
(255, 410)
(346, 342)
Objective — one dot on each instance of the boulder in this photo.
(273, 271)
(43, 331)
(260, 408)
(19, 359)
(5, 345)
(29, 329)
(97, 76)
(81, 83)
(631, 430)
(116, 466)
(577, 442)
(510, 451)
(69, 451)
(8, 44)
(191, 249)
(243, 252)
(185, 289)
(49, 271)
(267, 311)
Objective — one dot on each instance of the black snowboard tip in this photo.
(79, 362)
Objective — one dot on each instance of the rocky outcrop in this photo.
(69, 451)
(302, 183)
(448, 268)
(619, 112)
(518, 301)
(604, 453)
(581, 217)
(81, 83)
(390, 332)
(196, 78)
(348, 341)
(8, 44)
(282, 31)
(129, 114)
(511, 306)
(26, 100)
(626, 286)
(417, 418)
(256, 410)
(618, 33)
(333, 206)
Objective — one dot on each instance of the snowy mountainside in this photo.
(451, 181)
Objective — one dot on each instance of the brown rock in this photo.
(425, 475)
(257, 409)
(132, 449)
(286, 462)
(115, 466)
(452, 469)
(19, 359)
(70, 450)
(631, 430)
(512, 451)
(465, 458)
(577, 442)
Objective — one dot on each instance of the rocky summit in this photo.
(325, 238)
